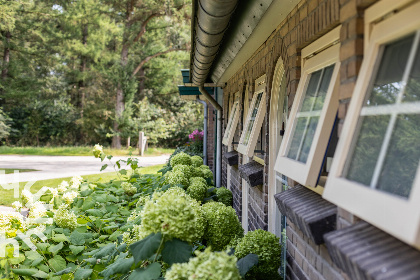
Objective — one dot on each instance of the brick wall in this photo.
(308, 21)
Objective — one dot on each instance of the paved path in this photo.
(51, 167)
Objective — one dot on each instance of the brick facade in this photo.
(308, 21)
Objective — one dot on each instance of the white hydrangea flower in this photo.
(38, 210)
(17, 206)
(27, 197)
(63, 186)
(11, 222)
(97, 150)
(128, 188)
(133, 216)
(70, 196)
(75, 182)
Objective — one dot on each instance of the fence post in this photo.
(141, 145)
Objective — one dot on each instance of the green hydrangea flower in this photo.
(197, 172)
(224, 196)
(222, 225)
(196, 161)
(65, 218)
(180, 158)
(176, 177)
(197, 190)
(207, 173)
(266, 245)
(128, 188)
(198, 180)
(207, 265)
(184, 169)
(175, 214)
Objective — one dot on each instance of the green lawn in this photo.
(7, 195)
(11, 170)
(77, 151)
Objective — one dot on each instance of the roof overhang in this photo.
(250, 26)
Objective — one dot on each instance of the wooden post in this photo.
(141, 145)
(128, 142)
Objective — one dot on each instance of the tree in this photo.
(136, 16)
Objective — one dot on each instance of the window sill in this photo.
(252, 173)
(231, 158)
(313, 215)
(365, 252)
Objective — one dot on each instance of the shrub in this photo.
(175, 178)
(206, 266)
(224, 196)
(173, 213)
(180, 158)
(196, 161)
(197, 190)
(222, 225)
(266, 246)
(198, 179)
(184, 169)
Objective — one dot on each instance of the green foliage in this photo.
(206, 265)
(196, 161)
(180, 158)
(176, 178)
(222, 225)
(197, 190)
(4, 127)
(179, 216)
(224, 196)
(266, 246)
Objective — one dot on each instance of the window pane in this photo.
(412, 91)
(313, 102)
(308, 138)
(297, 137)
(311, 91)
(402, 158)
(252, 120)
(388, 81)
(367, 148)
(231, 118)
(323, 88)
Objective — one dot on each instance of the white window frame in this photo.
(277, 100)
(248, 149)
(232, 124)
(318, 55)
(395, 215)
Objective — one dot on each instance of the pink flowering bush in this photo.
(196, 135)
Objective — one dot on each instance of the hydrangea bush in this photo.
(137, 227)
(266, 246)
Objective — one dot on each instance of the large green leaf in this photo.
(95, 212)
(246, 263)
(56, 248)
(60, 238)
(30, 272)
(82, 273)
(146, 247)
(104, 251)
(120, 266)
(176, 251)
(76, 249)
(79, 238)
(57, 263)
(151, 272)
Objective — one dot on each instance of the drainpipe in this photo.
(205, 128)
(218, 134)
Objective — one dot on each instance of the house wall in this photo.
(308, 21)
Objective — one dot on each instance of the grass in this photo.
(78, 151)
(7, 197)
(11, 170)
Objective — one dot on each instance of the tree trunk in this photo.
(5, 66)
(141, 84)
(83, 63)
(119, 104)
